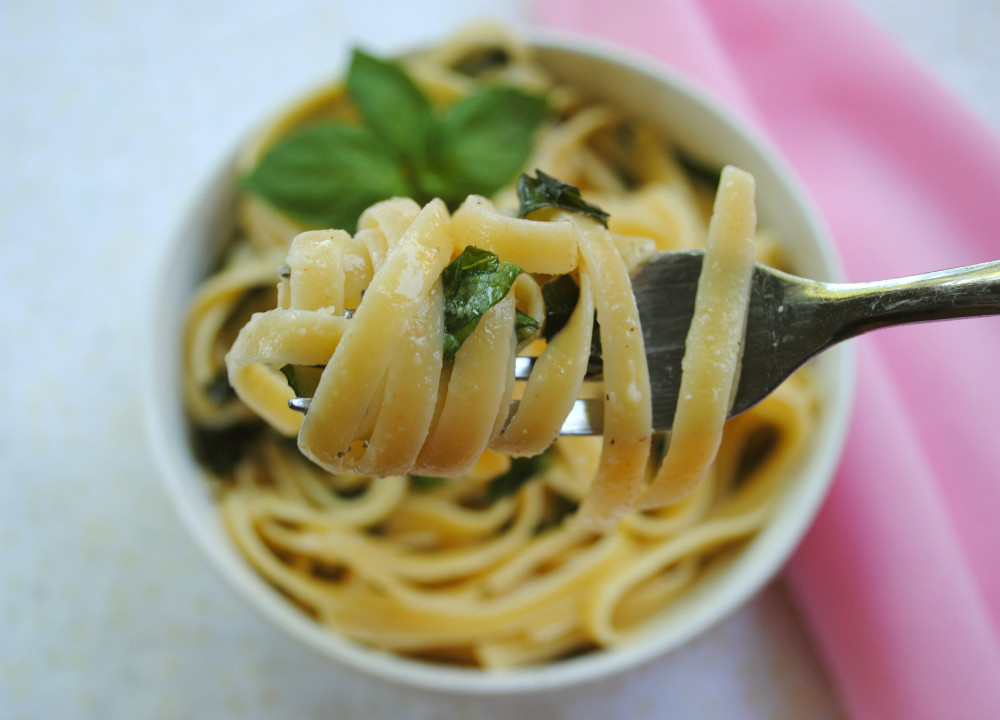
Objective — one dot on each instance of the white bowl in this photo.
(703, 127)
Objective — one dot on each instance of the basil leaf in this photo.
(698, 171)
(483, 60)
(302, 379)
(522, 470)
(561, 296)
(451, 346)
(392, 105)
(557, 509)
(220, 450)
(485, 139)
(525, 327)
(659, 443)
(546, 191)
(423, 483)
(326, 175)
(757, 446)
(289, 372)
(435, 184)
(473, 282)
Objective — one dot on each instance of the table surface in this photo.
(110, 114)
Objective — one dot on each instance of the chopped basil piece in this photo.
(544, 190)
(758, 445)
(289, 372)
(658, 447)
(526, 327)
(474, 282)
(561, 296)
(557, 510)
(221, 450)
(699, 171)
(521, 470)
(424, 483)
(302, 379)
(482, 61)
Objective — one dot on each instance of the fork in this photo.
(791, 320)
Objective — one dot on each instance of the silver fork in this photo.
(791, 320)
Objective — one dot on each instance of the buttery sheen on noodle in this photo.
(413, 514)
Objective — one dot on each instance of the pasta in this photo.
(414, 512)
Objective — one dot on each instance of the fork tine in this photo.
(586, 417)
(300, 404)
(523, 367)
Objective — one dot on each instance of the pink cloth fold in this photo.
(899, 577)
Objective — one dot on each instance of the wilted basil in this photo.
(544, 190)
(474, 282)
(521, 470)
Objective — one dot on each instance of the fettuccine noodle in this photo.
(356, 520)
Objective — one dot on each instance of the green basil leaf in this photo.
(423, 483)
(453, 341)
(522, 470)
(220, 450)
(485, 139)
(392, 105)
(483, 60)
(451, 346)
(659, 443)
(546, 191)
(525, 327)
(557, 509)
(289, 372)
(700, 172)
(433, 184)
(326, 175)
(472, 260)
(473, 282)
(561, 296)
(302, 379)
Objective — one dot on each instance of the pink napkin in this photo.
(899, 578)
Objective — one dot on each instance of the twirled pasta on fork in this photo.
(388, 403)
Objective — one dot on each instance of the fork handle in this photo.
(858, 308)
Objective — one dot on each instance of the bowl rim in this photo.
(747, 578)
